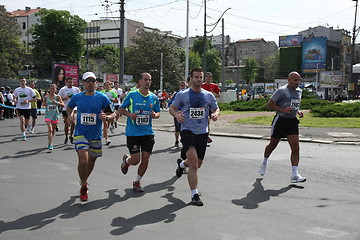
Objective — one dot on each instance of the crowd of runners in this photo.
(90, 115)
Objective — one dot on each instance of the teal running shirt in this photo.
(143, 106)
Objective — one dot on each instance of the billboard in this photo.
(331, 78)
(314, 54)
(62, 71)
(290, 41)
(115, 78)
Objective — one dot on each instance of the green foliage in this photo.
(250, 70)
(12, 51)
(213, 59)
(57, 38)
(145, 57)
(258, 104)
(271, 67)
(318, 107)
(311, 103)
(337, 110)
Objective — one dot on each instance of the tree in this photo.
(12, 51)
(250, 70)
(271, 67)
(213, 59)
(145, 57)
(57, 38)
(107, 56)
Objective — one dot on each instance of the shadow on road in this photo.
(71, 209)
(258, 195)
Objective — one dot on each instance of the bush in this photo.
(338, 110)
(311, 103)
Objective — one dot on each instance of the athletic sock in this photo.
(138, 178)
(182, 164)
(193, 192)
(294, 170)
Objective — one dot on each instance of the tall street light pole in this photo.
(204, 42)
(352, 78)
(121, 42)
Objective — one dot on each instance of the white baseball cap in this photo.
(88, 74)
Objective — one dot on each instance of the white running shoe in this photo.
(297, 178)
(262, 169)
(107, 142)
(111, 129)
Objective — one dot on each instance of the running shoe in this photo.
(50, 147)
(297, 178)
(71, 140)
(23, 137)
(66, 141)
(124, 164)
(108, 142)
(209, 140)
(195, 200)
(84, 193)
(176, 143)
(137, 187)
(32, 130)
(56, 129)
(179, 170)
(262, 169)
(115, 124)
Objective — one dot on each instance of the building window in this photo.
(24, 25)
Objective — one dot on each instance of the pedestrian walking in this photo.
(140, 107)
(92, 108)
(286, 102)
(195, 104)
(52, 103)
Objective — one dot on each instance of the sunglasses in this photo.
(90, 80)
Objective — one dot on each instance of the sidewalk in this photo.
(224, 127)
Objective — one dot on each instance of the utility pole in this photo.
(204, 42)
(222, 57)
(187, 42)
(121, 43)
(352, 78)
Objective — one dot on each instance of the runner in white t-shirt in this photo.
(23, 95)
(66, 93)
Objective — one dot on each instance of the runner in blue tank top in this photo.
(93, 108)
(140, 106)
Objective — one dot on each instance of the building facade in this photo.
(25, 19)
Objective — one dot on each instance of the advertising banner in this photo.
(290, 41)
(314, 54)
(62, 71)
(328, 78)
(111, 77)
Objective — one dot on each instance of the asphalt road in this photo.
(39, 192)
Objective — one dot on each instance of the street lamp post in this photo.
(352, 78)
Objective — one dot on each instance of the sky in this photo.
(246, 19)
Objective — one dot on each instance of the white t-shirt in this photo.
(119, 92)
(66, 91)
(23, 94)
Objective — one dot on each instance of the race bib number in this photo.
(197, 113)
(142, 120)
(51, 107)
(295, 104)
(88, 118)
